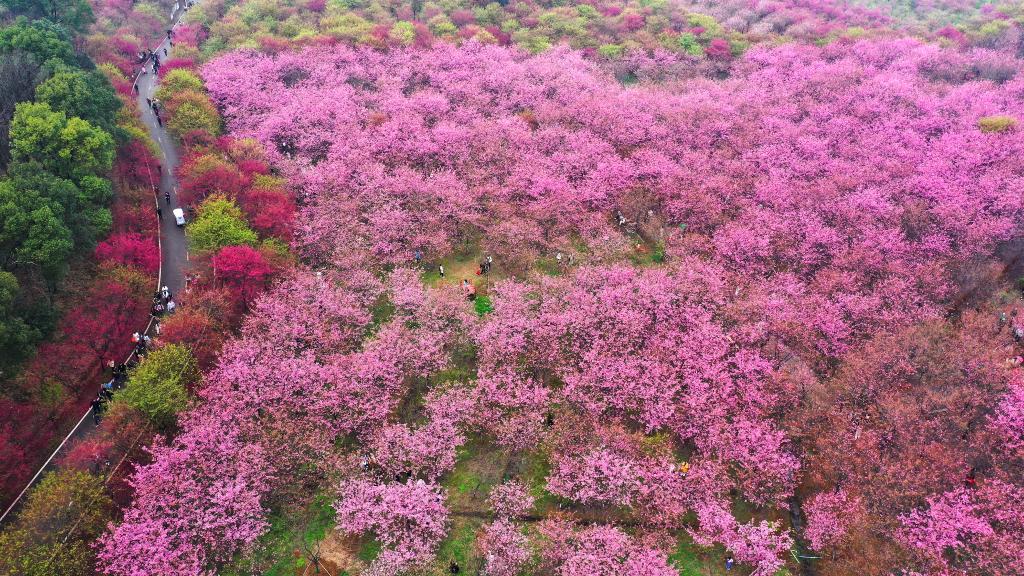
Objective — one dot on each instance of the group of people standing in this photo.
(468, 288)
(163, 302)
(119, 375)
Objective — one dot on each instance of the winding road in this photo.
(173, 247)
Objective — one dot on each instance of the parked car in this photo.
(179, 216)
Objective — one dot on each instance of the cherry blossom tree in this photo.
(408, 519)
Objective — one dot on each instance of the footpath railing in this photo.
(176, 13)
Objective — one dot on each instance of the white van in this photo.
(179, 216)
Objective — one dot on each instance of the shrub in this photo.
(158, 387)
(63, 513)
(190, 111)
(483, 305)
(220, 223)
(177, 81)
(998, 123)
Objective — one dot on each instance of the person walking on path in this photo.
(97, 409)
(159, 213)
(440, 270)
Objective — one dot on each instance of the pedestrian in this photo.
(136, 338)
(159, 122)
(135, 88)
(167, 197)
(97, 408)
(558, 258)
(165, 51)
(571, 259)
(158, 309)
(171, 306)
(168, 33)
(1018, 333)
(165, 292)
(729, 563)
(453, 567)
(417, 256)
(149, 102)
(440, 270)
(490, 262)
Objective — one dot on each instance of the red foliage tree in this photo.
(271, 212)
(243, 269)
(130, 249)
(203, 174)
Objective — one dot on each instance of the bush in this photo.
(220, 223)
(610, 50)
(177, 81)
(190, 111)
(482, 305)
(51, 535)
(997, 123)
(158, 387)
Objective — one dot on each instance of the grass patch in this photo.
(460, 545)
(548, 265)
(536, 469)
(290, 531)
(478, 468)
(369, 551)
(482, 305)
(381, 312)
(685, 558)
(693, 560)
(464, 479)
(647, 255)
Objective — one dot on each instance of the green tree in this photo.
(71, 148)
(87, 95)
(689, 44)
(75, 14)
(177, 81)
(84, 207)
(20, 73)
(33, 232)
(53, 533)
(158, 386)
(219, 223)
(49, 43)
(193, 111)
(17, 337)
